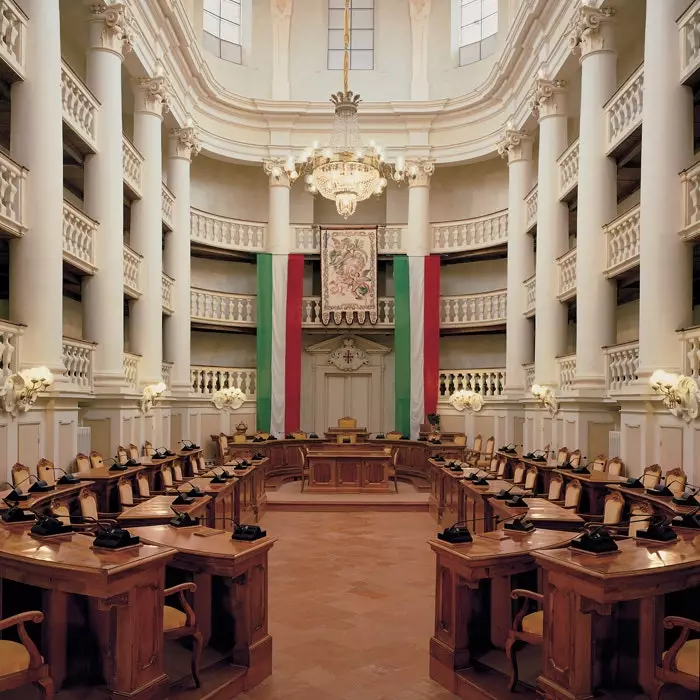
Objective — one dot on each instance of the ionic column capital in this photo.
(152, 95)
(418, 171)
(548, 98)
(184, 143)
(592, 30)
(112, 26)
(274, 169)
(515, 146)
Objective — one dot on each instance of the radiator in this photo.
(84, 440)
(613, 443)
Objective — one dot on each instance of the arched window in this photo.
(478, 27)
(361, 34)
(222, 29)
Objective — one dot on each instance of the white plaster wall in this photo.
(223, 349)
(473, 277)
(627, 322)
(223, 276)
(473, 351)
(628, 202)
(72, 319)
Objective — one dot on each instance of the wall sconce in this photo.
(546, 398)
(228, 399)
(21, 390)
(680, 393)
(151, 394)
(467, 399)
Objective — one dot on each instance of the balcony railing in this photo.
(132, 272)
(168, 206)
(487, 382)
(566, 277)
(471, 234)
(529, 371)
(531, 209)
(624, 110)
(133, 167)
(10, 334)
(567, 372)
(167, 291)
(13, 36)
(79, 232)
(130, 365)
(166, 370)
(12, 182)
(207, 380)
(690, 180)
(530, 296)
(222, 232)
(486, 308)
(689, 31)
(621, 364)
(568, 170)
(222, 308)
(690, 340)
(311, 314)
(80, 107)
(622, 243)
(78, 357)
(306, 238)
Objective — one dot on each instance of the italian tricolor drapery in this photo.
(280, 288)
(416, 340)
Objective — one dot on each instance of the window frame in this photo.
(211, 41)
(365, 6)
(485, 45)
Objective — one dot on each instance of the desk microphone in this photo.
(162, 453)
(188, 446)
(664, 490)
(15, 514)
(688, 520)
(185, 498)
(246, 533)
(182, 519)
(116, 466)
(67, 478)
(595, 540)
(458, 533)
(519, 523)
(14, 496)
(39, 486)
(583, 469)
(687, 499)
(658, 530)
(509, 449)
(517, 500)
(49, 525)
(502, 495)
(220, 477)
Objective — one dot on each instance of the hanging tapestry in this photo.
(348, 275)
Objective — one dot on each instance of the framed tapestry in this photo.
(348, 275)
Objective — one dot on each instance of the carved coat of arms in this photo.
(348, 358)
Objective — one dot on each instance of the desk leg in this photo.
(202, 604)
(54, 633)
(500, 610)
(651, 615)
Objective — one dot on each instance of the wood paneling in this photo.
(28, 444)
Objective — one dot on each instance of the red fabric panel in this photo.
(292, 361)
(431, 333)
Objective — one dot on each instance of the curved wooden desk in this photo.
(159, 509)
(231, 598)
(593, 488)
(105, 484)
(65, 493)
(660, 504)
(542, 513)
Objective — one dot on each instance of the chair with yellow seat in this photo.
(527, 628)
(122, 455)
(562, 456)
(134, 452)
(572, 495)
(575, 458)
(304, 466)
(194, 464)
(347, 422)
(556, 486)
(641, 515)
(148, 449)
(142, 486)
(178, 476)
(125, 491)
(166, 476)
(60, 511)
(182, 623)
(485, 457)
(82, 462)
(473, 454)
(300, 435)
(393, 468)
(651, 476)
(20, 474)
(222, 444)
(20, 662)
(531, 479)
(460, 439)
(240, 439)
(493, 464)
(46, 471)
(598, 464)
(87, 501)
(680, 665)
(675, 480)
(612, 510)
(502, 464)
(518, 473)
(615, 466)
(393, 435)
(96, 460)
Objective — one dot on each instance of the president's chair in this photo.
(680, 665)
(528, 628)
(20, 662)
(179, 623)
(347, 422)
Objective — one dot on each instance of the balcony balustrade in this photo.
(531, 209)
(13, 36)
(471, 234)
(223, 232)
(12, 183)
(79, 232)
(166, 370)
(622, 362)
(690, 181)
(168, 206)
(566, 278)
(132, 272)
(487, 382)
(567, 372)
(10, 334)
(78, 361)
(530, 296)
(168, 283)
(80, 108)
(133, 167)
(130, 365)
(311, 314)
(690, 341)
(689, 36)
(483, 309)
(307, 239)
(622, 243)
(624, 110)
(207, 380)
(529, 371)
(568, 170)
(222, 308)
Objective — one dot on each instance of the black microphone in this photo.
(517, 500)
(15, 496)
(116, 466)
(246, 533)
(39, 486)
(67, 478)
(182, 519)
(458, 533)
(502, 495)
(509, 448)
(220, 477)
(15, 514)
(111, 535)
(664, 490)
(595, 540)
(188, 446)
(687, 499)
(162, 453)
(519, 523)
(658, 530)
(49, 525)
(688, 520)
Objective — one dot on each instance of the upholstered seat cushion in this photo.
(173, 618)
(688, 658)
(534, 623)
(13, 658)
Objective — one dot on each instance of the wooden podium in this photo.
(348, 469)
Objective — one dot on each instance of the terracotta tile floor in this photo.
(351, 607)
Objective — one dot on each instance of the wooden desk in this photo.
(220, 509)
(65, 493)
(126, 588)
(477, 510)
(105, 485)
(661, 504)
(344, 470)
(159, 509)
(594, 486)
(544, 473)
(472, 602)
(361, 433)
(583, 595)
(541, 512)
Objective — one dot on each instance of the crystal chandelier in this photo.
(345, 170)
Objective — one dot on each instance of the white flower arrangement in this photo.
(21, 390)
(151, 394)
(228, 399)
(467, 399)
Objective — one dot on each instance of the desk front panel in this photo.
(346, 474)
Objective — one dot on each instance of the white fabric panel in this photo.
(416, 294)
(279, 342)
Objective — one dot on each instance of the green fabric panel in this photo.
(264, 342)
(402, 346)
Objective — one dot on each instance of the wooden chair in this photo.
(20, 662)
(87, 500)
(393, 467)
(349, 436)
(20, 472)
(134, 452)
(528, 628)
(182, 623)
(475, 450)
(166, 475)
(194, 465)
(638, 517)
(347, 422)
(562, 456)
(675, 480)
(177, 472)
(612, 510)
(82, 462)
(393, 435)
(304, 466)
(148, 449)
(531, 478)
(125, 491)
(60, 511)
(45, 470)
(651, 476)
(493, 465)
(222, 444)
(572, 494)
(122, 455)
(96, 460)
(142, 486)
(518, 473)
(598, 464)
(615, 466)
(575, 458)
(487, 453)
(460, 439)
(502, 463)
(556, 485)
(202, 464)
(680, 665)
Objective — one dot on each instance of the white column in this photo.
(420, 16)
(550, 104)
(103, 293)
(665, 302)
(281, 23)
(418, 172)
(36, 259)
(516, 146)
(183, 145)
(278, 231)
(146, 314)
(594, 36)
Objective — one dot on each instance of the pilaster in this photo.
(281, 23)
(420, 17)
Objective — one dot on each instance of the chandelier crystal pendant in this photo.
(345, 171)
